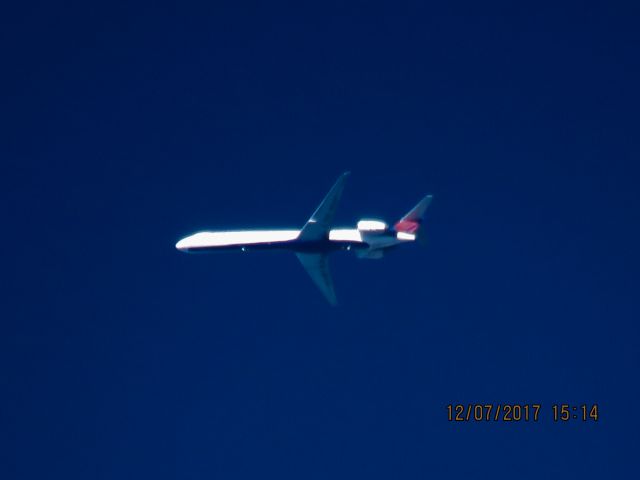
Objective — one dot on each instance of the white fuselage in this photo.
(338, 239)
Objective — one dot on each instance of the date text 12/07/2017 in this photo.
(514, 412)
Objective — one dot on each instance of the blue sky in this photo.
(126, 127)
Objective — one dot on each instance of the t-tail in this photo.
(410, 227)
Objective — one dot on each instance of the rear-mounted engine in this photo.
(372, 226)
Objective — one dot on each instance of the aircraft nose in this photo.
(181, 245)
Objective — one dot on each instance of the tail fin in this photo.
(412, 221)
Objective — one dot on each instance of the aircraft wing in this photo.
(317, 266)
(318, 226)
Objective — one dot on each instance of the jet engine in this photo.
(372, 226)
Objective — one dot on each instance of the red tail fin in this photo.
(411, 222)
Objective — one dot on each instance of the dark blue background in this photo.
(127, 127)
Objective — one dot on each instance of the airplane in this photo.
(317, 238)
